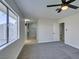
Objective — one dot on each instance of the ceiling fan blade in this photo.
(54, 5)
(58, 10)
(63, 1)
(70, 1)
(73, 6)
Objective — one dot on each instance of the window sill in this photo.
(6, 45)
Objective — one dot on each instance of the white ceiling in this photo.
(37, 9)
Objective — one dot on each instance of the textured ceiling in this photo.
(37, 9)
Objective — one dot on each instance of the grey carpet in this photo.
(53, 50)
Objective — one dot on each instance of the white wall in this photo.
(71, 30)
(12, 51)
(45, 31)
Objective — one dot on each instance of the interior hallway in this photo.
(30, 41)
(52, 50)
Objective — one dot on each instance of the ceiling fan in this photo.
(64, 5)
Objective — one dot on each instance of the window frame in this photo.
(7, 23)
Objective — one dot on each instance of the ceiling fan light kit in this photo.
(64, 6)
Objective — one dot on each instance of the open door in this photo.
(62, 32)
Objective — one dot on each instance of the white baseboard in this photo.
(72, 45)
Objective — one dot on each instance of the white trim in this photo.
(18, 27)
(6, 45)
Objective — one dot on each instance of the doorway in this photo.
(61, 29)
(30, 32)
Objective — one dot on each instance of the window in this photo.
(13, 23)
(9, 25)
(3, 24)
